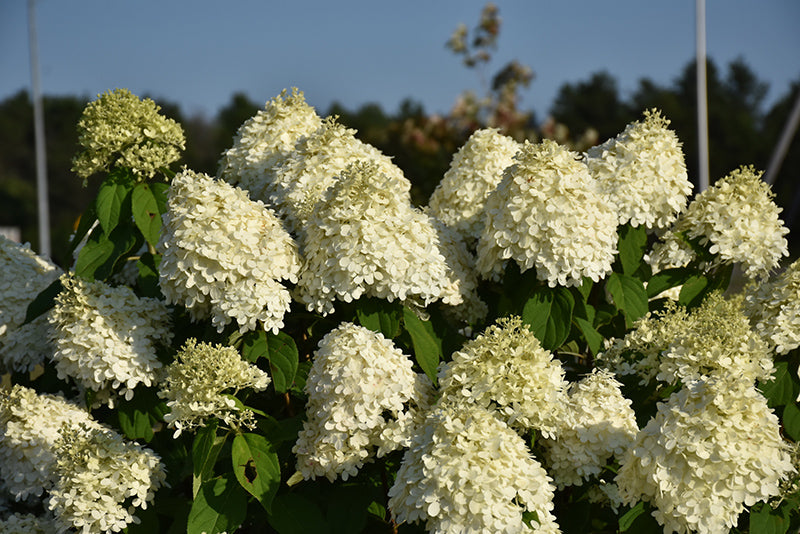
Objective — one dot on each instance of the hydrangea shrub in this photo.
(552, 344)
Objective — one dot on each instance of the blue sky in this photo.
(198, 52)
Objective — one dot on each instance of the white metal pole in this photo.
(702, 97)
(38, 124)
(779, 153)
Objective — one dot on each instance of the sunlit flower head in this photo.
(774, 309)
(712, 449)
(106, 337)
(643, 172)
(264, 141)
(224, 255)
(468, 472)
(505, 369)
(548, 214)
(474, 172)
(198, 385)
(120, 130)
(22, 346)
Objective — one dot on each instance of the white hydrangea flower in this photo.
(29, 432)
(505, 369)
(27, 524)
(643, 172)
(366, 239)
(102, 479)
(474, 172)
(548, 214)
(740, 222)
(599, 423)
(362, 396)
(700, 348)
(668, 252)
(198, 385)
(774, 309)
(224, 255)
(317, 162)
(466, 472)
(105, 337)
(264, 141)
(713, 448)
(25, 275)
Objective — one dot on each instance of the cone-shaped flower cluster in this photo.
(22, 346)
(547, 213)
(643, 172)
(198, 385)
(225, 255)
(362, 396)
(106, 337)
(119, 130)
(474, 172)
(774, 309)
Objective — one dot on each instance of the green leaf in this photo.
(630, 516)
(256, 467)
(44, 301)
(113, 199)
(293, 513)
(138, 416)
(205, 450)
(220, 506)
(639, 520)
(427, 343)
(781, 390)
(281, 351)
(629, 296)
(765, 520)
(631, 246)
(380, 316)
(791, 420)
(592, 336)
(548, 313)
(693, 292)
(88, 218)
(101, 254)
(160, 191)
(146, 213)
(148, 275)
(667, 279)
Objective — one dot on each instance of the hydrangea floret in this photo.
(224, 255)
(120, 130)
(364, 399)
(201, 382)
(547, 213)
(18, 523)
(506, 370)
(25, 274)
(774, 309)
(643, 172)
(467, 471)
(599, 423)
(474, 172)
(712, 448)
(265, 140)
(106, 337)
(102, 480)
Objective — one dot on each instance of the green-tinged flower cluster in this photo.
(24, 275)
(201, 382)
(547, 213)
(506, 370)
(363, 400)
(106, 337)
(120, 130)
(643, 172)
(774, 309)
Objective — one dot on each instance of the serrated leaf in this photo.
(781, 390)
(765, 520)
(592, 336)
(380, 316)
(205, 450)
(44, 301)
(693, 291)
(220, 506)
(791, 420)
(138, 416)
(667, 279)
(113, 200)
(631, 246)
(256, 467)
(281, 351)
(144, 207)
(629, 296)
(427, 343)
(548, 313)
(293, 513)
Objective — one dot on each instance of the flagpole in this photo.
(702, 98)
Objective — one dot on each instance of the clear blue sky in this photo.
(198, 52)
